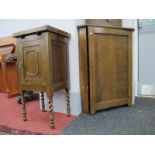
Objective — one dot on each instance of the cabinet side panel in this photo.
(83, 54)
(12, 78)
(130, 69)
(59, 64)
(111, 67)
(2, 80)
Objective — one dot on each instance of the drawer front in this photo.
(31, 63)
(105, 22)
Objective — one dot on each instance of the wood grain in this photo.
(43, 62)
(8, 70)
(106, 67)
(83, 61)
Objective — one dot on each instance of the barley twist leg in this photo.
(51, 111)
(42, 102)
(24, 117)
(68, 102)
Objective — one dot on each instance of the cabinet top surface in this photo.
(91, 25)
(45, 28)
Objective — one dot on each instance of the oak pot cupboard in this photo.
(105, 67)
(43, 64)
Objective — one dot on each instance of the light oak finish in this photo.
(43, 63)
(105, 67)
(8, 70)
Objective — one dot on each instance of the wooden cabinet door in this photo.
(109, 67)
(31, 63)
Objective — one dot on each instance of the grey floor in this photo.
(136, 120)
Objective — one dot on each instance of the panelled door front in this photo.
(109, 68)
(31, 62)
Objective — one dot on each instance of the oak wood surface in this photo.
(43, 62)
(83, 57)
(41, 29)
(106, 67)
(8, 70)
(113, 28)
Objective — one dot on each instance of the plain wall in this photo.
(132, 23)
(147, 53)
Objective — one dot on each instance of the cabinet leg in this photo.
(42, 102)
(51, 111)
(68, 102)
(24, 117)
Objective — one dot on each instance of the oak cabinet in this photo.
(43, 63)
(105, 67)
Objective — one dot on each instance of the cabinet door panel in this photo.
(31, 62)
(31, 55)
(109, 68)
(111, 63)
